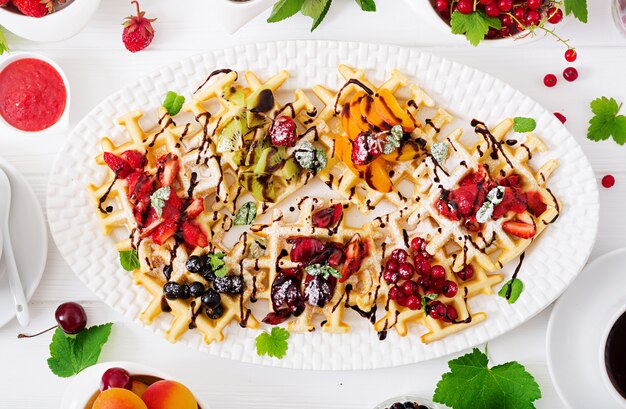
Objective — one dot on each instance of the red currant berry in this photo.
(570, 74)
(506, 20)
(390, 277)
(451, 313)
(519, 13)
(493, 10)
(406, 271)
(534, 4)
(555, 15)
(418, 244)
(465, 6)
(491, 33)
(505, 5)
(549, 80)
(410, 287)
(533, 17)
(413, 303)
(394, 292)
(466, 274)
(485, 1)
(392, 265)
(437, 285)
(608, 181)
(450, 289)
(442, 5)
(560, 117)
(437, 272)
(424, 282)
(504, 32)
(570, 55)
(399, 255)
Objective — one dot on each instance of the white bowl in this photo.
(87, 382)
(430, 15)
(235, 14)
(64, 23)
(63, 121)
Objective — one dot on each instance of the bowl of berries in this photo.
(502, 22)
(46, 20)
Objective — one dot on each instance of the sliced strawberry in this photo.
(173, 207)
(514, 200)
(519, 229)
(446, 209)
(536, 206)
(355, 252)
(193, 235)
(164, 231)
(152, 222)
(195, 208)
(511, 181)
(135, 159)
(117, 165)
(168, 167)
(465, 198)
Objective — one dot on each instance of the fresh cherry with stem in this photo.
(71, 318)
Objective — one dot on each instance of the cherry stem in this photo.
(36, 335)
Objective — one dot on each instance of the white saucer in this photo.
(29, 237)
(86, 383)
(577, 324)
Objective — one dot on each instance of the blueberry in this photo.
(167, 272)
(215, 313)
(221, 284)
(196, 289)
(171, 290)
(195, 264)
(235, 285)
(209, 276)
(211, 299)
(184, 292)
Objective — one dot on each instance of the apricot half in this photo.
(118, 398)
(169, 395)
(391, 112)
(370, 114)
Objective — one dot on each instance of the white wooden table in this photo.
(97, 64)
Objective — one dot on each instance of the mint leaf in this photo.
(496, 195)
(516, 290)
(173, 103)
(607, 122)
(578, 8)
(426, 298)
(245, 214)
(217, 263)
(522, 124)
(158, 199)
(310, 157)
(257, 248)
(273, 344)
(4, 47)
(471, 384)
(439, 150)
(70, 355)
(392, 142)
(474, 25)
(316, 9)
(284, 9)
(129, 260)
(323, 270)
(367, 5)
(485, 212)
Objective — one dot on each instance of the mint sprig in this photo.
(316, 9)
(129, 260)
(523, 124)
(217, 263)
(173, 103)
(323, 270)
(158, 199)
(246, 214)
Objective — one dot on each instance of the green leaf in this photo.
(516, 290)
(485, 212)
(257, 248)
(578, 8)
(173, 103)
(426, 298)
(471, 384)
(129, 260)
(284, 9)
(245, 214)
(274, 344)
(323, 270)
(310, 157)
(367, 5)
(4, 47)
(474, 25)
(316, 9)
(70, 355)
(392, 142)
(607, 122)
(522, 124)
(439, 150)
(158, 199)
(217, 263)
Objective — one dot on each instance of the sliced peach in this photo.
(343, 151)
(118, 398)
(370, 114)
(391, 112)
(169, 395)
(377, 177)
(358, 123)
(345, 116)
(139, 388)
(408, 151)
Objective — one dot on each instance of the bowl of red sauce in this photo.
(34, 94)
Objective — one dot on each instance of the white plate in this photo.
(87, 382)
(29, 237)
(576, 328)
(550, 265)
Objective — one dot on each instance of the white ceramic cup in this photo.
(619, 399)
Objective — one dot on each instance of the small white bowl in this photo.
(425, 9)
(236, 14)
(63, 121)
(64, 23)
(87, 382)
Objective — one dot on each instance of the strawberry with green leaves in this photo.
(138, 32)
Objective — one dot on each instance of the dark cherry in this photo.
(71, 317)
(304, 249)
(327, 217)
(116, 378)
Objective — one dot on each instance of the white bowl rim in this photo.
(63, 121)
(11, 12)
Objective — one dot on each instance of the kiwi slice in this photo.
(258, 145)
(260, 101)
(270, 160)
(235, 96)
(231, 137)
(260, 185)
(291, 170)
